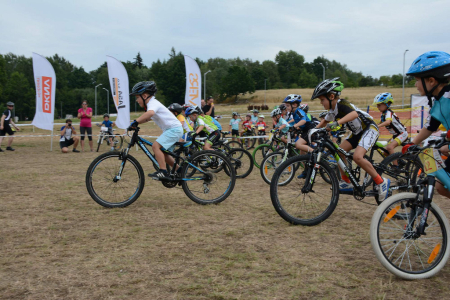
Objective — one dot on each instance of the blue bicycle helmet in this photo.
(431, 64)
(434, 64)
(385, 98)
(296, 99)
(190, 111)
(289, 97)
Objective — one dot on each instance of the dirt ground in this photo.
(57, 243)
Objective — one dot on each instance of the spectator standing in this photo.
(5, 128)
(203, 103)
(66, 139)
(208, 109)
(85, 115)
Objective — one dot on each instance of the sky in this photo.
(368, 36)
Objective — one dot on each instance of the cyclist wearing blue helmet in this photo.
(432, 73)
(391, 121)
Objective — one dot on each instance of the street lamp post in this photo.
(323, 70)
(107, 97)
(265, 82)
(204, 84)
(403, 98)
(61, 111)
(96, 98)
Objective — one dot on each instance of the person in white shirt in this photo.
(172, 130)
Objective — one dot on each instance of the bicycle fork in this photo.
(311, 173)
(427, 197)
(122, 156)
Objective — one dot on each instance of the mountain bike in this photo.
(409, 233)
(104, 136)
(116, 179)
(248, 143)
(273, 144)
(239, 158)
(311, 200)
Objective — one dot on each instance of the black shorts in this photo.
(234, 132)
(66, 143)
(213, 137)
(6, 130)
(261, 132)
(88, 130)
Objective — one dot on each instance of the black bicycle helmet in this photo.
(328, 86)
(175, 107)
(143, 87)
(282, 106)
(323, 114)
(105, 115)
(256, 111)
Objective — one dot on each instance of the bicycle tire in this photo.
(248, 143)
(287, 198)
(398, 176)
(242, 161)
(269, 165)
(234, 145)
(260, 152)
(102, 187)
(402, 239)
(228, 179)
(99, 141)
(118, 141)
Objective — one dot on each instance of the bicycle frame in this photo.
(141, 142)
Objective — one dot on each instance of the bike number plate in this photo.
(431, 160)
(104, 128)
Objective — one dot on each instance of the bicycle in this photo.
(261, 151)
(230, 143)
(310, 200)
(116, 179)
(248, 143)
(239, 158)
(117, 139)
(409, 233)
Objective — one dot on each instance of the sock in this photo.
(345, 178)
(164, 171)
(378, 180)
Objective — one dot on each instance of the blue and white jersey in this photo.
(300, 115)
(440, 111)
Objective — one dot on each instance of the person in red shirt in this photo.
(261, 126)
(247, 124)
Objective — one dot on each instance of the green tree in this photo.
(3, 78)
(19, 91)
(307, 80)
(138, 61)
(237, 81)
(289, 64)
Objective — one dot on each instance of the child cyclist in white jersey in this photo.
(391, 121)
(172, 130)
(432, 73)
(364, 131)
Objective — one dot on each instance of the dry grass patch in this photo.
(58, 243)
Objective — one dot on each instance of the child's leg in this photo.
(390, 148)
(347, 146)
(358, 158)
(302, 145)
(159, 155)
(442, 190)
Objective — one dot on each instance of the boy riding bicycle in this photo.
(172, 130)
(202, 124)
(109, 124)
(364, 131)
(391, 121)
(432, 73)
(177, 109)
(280, 123)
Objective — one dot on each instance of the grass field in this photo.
(57, 243)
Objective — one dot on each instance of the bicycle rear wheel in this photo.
(403, 176)
(208, 186)
(106, 188)
(398, 246)
(117, 142)
(234, 145)
(309, 208)
(99, 141)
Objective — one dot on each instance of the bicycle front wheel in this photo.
(398, 246)
(309, 208)
(107, 188)
(203, 182)
(242, 162)
(260, 152)
(117, 142)
(269, 165)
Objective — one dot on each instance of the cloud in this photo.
(367, 36)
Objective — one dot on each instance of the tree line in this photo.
(228, 78)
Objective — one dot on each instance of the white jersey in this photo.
(162, 117)
(396, 127)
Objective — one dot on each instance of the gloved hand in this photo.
(332, 125)
(133, 125)
(273, 131)
(193, 135)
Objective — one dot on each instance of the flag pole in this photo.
(51, 145)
